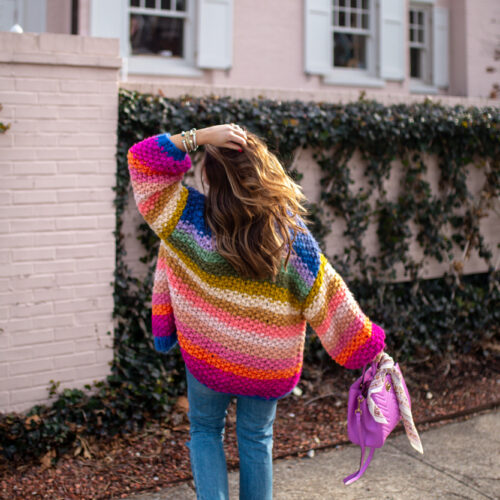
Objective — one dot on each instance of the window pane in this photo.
(165, 5)
(412, 35)
(365, 4)
(342, 18)
(134, 3)
(366, 24)
(354, 20)
(415, 63)
(156, 35)
(421, 18)
(349, 50)
(150, 4)
(412, 16)
(181, 5)
(353, 4)
(342, 3)
(421, 35)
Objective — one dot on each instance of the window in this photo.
(420, 44)
(351, 33)
(157, 28)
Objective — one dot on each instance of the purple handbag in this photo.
(373, 410)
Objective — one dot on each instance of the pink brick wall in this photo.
(57, 217)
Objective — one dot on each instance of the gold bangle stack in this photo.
(189, 140)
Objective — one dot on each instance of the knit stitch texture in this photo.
(238, 335)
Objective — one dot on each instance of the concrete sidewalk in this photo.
(461, 460)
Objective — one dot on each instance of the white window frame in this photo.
(157, 65)
(357, 76)
(425, 84)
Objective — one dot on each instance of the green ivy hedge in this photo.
(438, 317)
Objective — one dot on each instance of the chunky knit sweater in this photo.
(238, 335)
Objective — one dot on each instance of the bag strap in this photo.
(362, 466)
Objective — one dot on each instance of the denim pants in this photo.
(254, 430)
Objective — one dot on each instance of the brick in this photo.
(57, 98)
(104, 126)
(32, 395)
(32, 366)
(95, 208)
(77, 278)
(70, 306)
(84, 86)
(57, 210)
(54, 321)
(93, 317)
(90, 99)
(7, 141)
(35, 140)
(55, 238)
(109, 112)
(16, 354)
(15, 271)
(38, 112)
(18, 154)
(55, 42)
(16, 212)
(18, 325)
(32, 310)
(97, 152)
(33, 337)
(65, 375)
(110, 88)
(57, 266)
(5, 198)
(73, 332)
(104, 46)
(16, 240)
(5, 313)
(106, 221)
(79, 140)
(59, 293)
(80, 113)
(4, 255)
(78, 359)
(105, 302)
(87, 375)
(58, 181)
(27, 225)
(13, 97)
(38, 168)
(55, 349)
(101, 180)
(36, 85)
(32, 197)
(31, 282)
(7, 84)
(16, 183)
(14, 298)
(95, 290)
(95, 194)
(75, 252)
(58, 153)
(89, 222)
(32, 254)
(14, 383)
(79, 167)
(4, 399)
(92, 264)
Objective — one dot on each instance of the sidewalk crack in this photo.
(442, 471)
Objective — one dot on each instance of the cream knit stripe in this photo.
(238, 298)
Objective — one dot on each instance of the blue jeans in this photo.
(254, 430)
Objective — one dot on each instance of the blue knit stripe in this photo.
(165, 344)
(167, 146)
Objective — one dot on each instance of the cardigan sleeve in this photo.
(156, 168)
(345, 332)
(163, 321)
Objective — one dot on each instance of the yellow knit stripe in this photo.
(165, 223)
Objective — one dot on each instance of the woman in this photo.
(237, 278)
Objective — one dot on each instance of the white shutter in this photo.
(440, 46)
(392, 39)
(106, 17)
(215, 34)
(318, 36)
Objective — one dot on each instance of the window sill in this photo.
(150, 65)
(422, 88)
(353, 80)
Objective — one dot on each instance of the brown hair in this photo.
(252, 204)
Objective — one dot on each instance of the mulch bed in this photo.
(157, 456)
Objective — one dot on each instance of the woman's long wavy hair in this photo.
(252, 208)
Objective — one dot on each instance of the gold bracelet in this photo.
(186, 142)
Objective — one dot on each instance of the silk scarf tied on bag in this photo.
(378, 400)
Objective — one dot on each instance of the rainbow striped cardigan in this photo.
(238, 335)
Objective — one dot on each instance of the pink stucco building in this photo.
(449, 47)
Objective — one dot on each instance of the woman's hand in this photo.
(228, 135)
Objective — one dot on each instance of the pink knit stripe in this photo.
(228, 352)
(239, 322)
(161, 298)
(227, 382)
(163, 325)
(150, 153)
